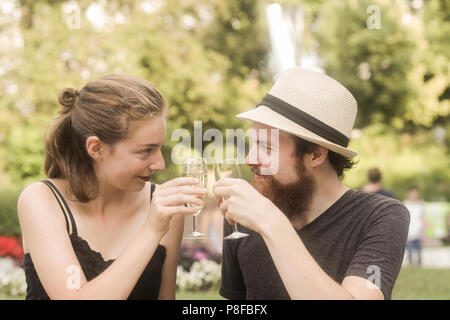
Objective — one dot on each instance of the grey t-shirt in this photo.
(362, 234)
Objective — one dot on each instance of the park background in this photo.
(213, 59)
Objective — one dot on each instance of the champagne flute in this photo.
(229, 168)
(195, 168)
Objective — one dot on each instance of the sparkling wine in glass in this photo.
(195, 168)
(229, 168)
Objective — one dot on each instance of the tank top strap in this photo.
(152, 189)
(65, 209)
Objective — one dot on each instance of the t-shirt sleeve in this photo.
(232, 284)
(380, 250)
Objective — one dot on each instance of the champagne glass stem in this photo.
(194, 224)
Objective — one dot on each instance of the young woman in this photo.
(96, 228)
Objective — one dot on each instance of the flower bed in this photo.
(198, 269)
(11, 247)
(12, 275)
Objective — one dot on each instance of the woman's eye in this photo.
(145, 152)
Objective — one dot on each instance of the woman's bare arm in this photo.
(172, 242)
(44, 231)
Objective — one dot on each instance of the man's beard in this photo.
(292, 199)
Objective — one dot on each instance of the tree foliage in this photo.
(202, 55)
(392, 72)
(209, 59)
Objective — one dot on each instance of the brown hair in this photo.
(374, 175)
(104, 108)
(337, 161)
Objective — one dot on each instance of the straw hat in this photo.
(309, 105)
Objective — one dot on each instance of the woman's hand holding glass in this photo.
(169, 199)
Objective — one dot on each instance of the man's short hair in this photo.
(337, 161)
(374, 175)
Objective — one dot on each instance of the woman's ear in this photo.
(94, 147)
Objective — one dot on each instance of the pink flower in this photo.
(199, 256)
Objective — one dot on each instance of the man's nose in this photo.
(252, 157)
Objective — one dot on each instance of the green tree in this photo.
(373, 64)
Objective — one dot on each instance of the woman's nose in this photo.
(158, 163)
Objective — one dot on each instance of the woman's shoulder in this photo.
(36, 196)
(34, 190)
(36, 207)
(40, 189)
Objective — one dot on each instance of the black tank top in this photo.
(93, 263)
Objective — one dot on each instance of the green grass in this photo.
(413, 283)
(4, 296)
(206, 295)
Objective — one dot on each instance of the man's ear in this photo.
(95, 147)
(318, 156)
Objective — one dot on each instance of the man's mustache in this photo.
(255, 171)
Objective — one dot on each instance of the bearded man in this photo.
(310, 236)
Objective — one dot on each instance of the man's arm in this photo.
(300, 273)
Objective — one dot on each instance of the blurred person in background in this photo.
(374, 176)
(416, 231)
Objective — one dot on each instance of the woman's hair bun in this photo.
(67, 97)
